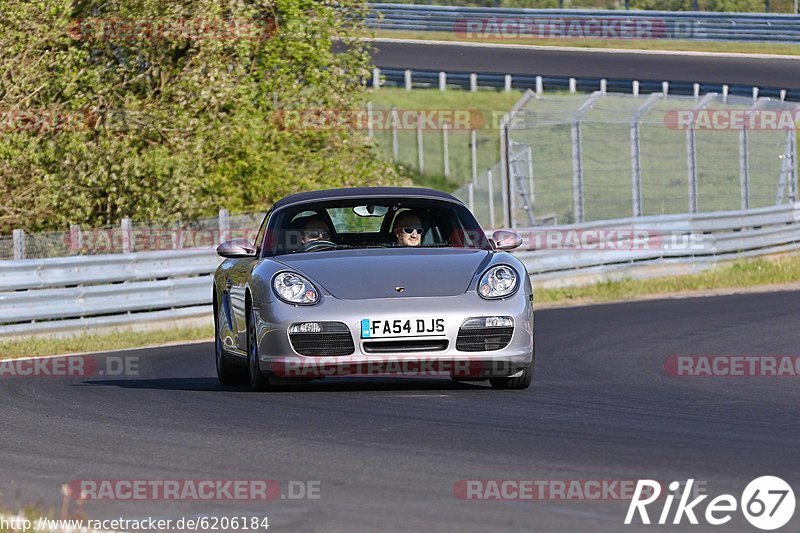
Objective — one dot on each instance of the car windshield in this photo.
(372, 223)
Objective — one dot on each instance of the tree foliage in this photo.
(106, 115)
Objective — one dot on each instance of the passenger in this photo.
(408, 229)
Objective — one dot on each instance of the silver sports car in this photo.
(372, 281)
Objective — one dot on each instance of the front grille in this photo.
(403, 346)
(334, 339)
(483, 339)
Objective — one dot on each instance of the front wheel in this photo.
(258, 381)
(523, 381)
(227, 373)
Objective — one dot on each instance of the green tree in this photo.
(163, 110)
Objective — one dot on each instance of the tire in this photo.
(518, 383)
(227, 373)
(258, 381)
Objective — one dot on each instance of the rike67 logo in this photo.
(767, 503)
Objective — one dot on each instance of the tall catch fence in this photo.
(574, 159)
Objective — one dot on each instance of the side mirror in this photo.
(236, 248)
(506, 240)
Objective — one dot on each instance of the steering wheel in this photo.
(313, 246)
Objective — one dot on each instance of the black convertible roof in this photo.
(367, 192)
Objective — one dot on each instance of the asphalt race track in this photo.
(388, 451)
(778, 72)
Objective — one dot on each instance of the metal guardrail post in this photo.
(442, 81)
(578, 201)
(539, 85)
(18, 237)
(507, 83)
(473, 82)
(471, 196)
(125, 228)
(407, 79)
(376, 78)
(635, 88)
(691, 152)
(636, 150)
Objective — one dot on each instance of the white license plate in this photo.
(402, 327)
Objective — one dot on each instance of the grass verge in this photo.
(42, 346)
(622, 44)
(740, 274)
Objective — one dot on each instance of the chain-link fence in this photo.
(574, 159)
(131, 236)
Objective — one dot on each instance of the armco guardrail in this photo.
(74, 293)
(507, 23)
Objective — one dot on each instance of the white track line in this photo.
(580, 49)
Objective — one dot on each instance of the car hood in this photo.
(375, 273)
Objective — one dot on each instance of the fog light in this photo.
(306, 327)
(499, 322)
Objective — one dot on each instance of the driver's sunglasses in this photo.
(412, 229)
(316, 234)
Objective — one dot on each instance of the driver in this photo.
(315, 229)
(407, 229)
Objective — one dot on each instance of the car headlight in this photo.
(294, 289)
(498, 282)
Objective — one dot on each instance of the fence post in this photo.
(407, 75)
(445, 150)
(507, 84)
(603, 85)
(531, 190)
(578, 203)
(755, 94)
(504, 174)
(636, 151)
(473, 82)
(491, 198)
(370, 132)
(224, 222)
(725, 90)
(744, 159)
(420, 148)
(75, 238)
(473, 146)
(395, 148)
(691, 153)
(376, 78)
(696, 90)
(573, 85)
(125, 227)
(442, 81)
(665, 87)
(539, 85)
(19, 243)
(471, 196)
(635, 88)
